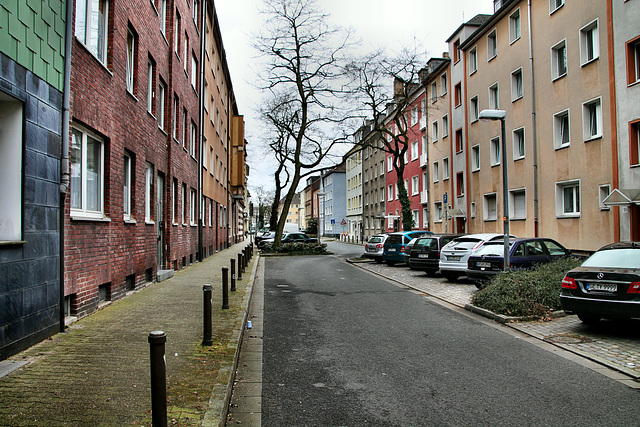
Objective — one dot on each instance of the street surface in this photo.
(345, 347)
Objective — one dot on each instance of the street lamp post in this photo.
(501, 115)
(320, 215)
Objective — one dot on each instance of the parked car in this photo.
(374, 248)
(407, 249)
(290, 238)
(606, 285)
(425, 254)
(524, 253)
(455, 254)
(396, 244)
(264, 235)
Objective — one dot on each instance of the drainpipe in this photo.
(534, 127)
(201, 119)
(65, 178)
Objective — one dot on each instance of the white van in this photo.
(290, 228)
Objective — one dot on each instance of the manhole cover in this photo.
(567, 339)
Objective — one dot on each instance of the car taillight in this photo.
(634, 288)
(569, 283)
(477, 245)
(379, 245)
(402, 248)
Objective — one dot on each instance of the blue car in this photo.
(524, 253)
(396, 244)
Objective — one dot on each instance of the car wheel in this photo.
(378, 260)
(480, 284)
(391, 263)
(589, 320)
(430, 273)
(451, 277)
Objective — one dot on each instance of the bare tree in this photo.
(303, 79)
(390, 109)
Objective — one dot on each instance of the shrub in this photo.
(533, 292)
(297, 249)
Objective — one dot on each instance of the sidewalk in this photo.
(97, 373)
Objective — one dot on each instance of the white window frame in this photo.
(561, 209)
(555, 5)
(126, 186)
(518, 204)
(192, 210)
(494, 96)
(194, 72)
(434, 131)
(148, 192)
(436, 171)
(389, 193)
(473, 60)
(445, 126)
(559, 132)
(163, 18)
(632, 56)
(150, 93)
(517, 84)
(162, 94)
(515, 26)
(592, 116)
(558, 61)
(415, 185)
(492, 45)
(95, 37)
(414, 116)
(389, 163)
(472, 210)
(434, 91)
(437, 212)
(487, 200)
(131, 55)
(445, 168)
(603, 191)
(194, 140)
(443, 84)
(519, 147)
(414, 151)
(589, 43)
(474, 109)
(11, 170)
(79, 200)
(475, 158)
(495, 151)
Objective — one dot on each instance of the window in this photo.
(473, 60)
(492, 45)
(131, 59)
(176, 35)
(414, 116)
(475, 158)
(633, 61)
(518, 144)
(592, 119)
(604, 191)
(195, 11)
(126, 187)
(194, 72)
(174, 117)
(516, 85)
(150, 84)
(474, 110)
(490, 207)
(568, 199)
(184, 128)
(634, 143)
(185, 53)
(87, 173)
(514, 26)
(559, 60)
(443, 84)
(414, 150)
(494, 97)
(460, 184)
(458, 94)
(11, 161)
(148, 192)
(589, 43)
(415, 185)
(194, 140)
(192, 210)
(389, 163)
(183, 203)
(445, 126)
(416, 217)
(445, 168)
(162, 89)
(494, 146)
(459, 141)
(434, 91)
(390, 193)
(456, 51)
(561, 132)
(555, 5)
(163, 17)
(434, 131)
(436, 172)
(472, 210)
(518, 204)
(174, 200)
(92, 19)
(437, 211)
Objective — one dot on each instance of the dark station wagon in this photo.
(425, 253)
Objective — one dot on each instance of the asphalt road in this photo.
(345, 348)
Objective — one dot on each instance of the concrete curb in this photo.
(216, 414)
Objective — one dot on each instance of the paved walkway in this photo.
(613, 344)
(97, 373)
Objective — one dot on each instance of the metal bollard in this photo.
(233, 274)
(207, 334)
(157, 340)
(244, 259)
(240, 266)
(225, 288)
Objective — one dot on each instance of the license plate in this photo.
(607, 287)
(483, 264)
(423, 255)
(453, 258)
(392, 249)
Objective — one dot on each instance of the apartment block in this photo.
(374, 183)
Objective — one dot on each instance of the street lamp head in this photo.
(492, 115)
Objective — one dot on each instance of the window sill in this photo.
(593, 138)
(132, 95)
(490, 220)
(130, 221)
(12, 242)
(556, 78)
(175, 224)
(568, 216)
(79, 217)
(591, 61)
(517, 98)
(152, 116)
(104, 66)
(562, 147)
(149, 222)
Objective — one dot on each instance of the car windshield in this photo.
(463, 243)
(617, 258)
(492, 249)
(375, 240)
(426, 244)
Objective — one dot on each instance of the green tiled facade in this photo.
(32, 34)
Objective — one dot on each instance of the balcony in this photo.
(424, 197)
(423, 160)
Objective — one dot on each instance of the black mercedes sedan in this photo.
(606, 285)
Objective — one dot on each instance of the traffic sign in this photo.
(343, 222)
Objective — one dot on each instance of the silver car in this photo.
(455, 254)
(374, 248)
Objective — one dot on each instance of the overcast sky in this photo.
(378, 23)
